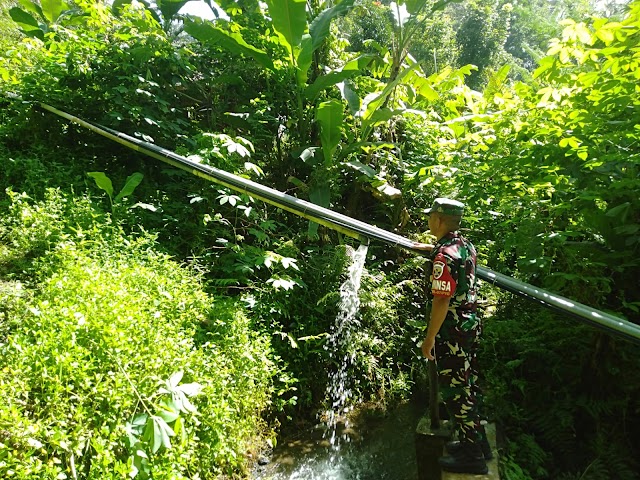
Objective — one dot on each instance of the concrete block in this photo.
(429, 447)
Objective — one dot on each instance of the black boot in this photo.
(468, 459)
(455, 445)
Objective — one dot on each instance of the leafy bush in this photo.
(381, 347)
(34, 170)
(300, 318)
(90, 351)
(120, 71)
(392, 315)
(559, 389)
(548, 181)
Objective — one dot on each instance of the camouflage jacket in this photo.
(453, 274)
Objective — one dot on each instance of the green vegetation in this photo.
(154, 325)
(87, 354)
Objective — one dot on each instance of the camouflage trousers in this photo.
(457, 365)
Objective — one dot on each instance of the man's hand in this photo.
(428, 348)
(423, 246)
(439, 308)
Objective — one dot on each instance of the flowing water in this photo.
(381, 447)
(363, 446)
(339, 387)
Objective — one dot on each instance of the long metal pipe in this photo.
(356, 228)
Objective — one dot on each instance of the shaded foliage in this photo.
(560, 398)
(547, 166)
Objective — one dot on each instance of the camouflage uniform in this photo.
(453, 274)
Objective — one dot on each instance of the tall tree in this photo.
(535, 22)
(482, 31)
(435, 45)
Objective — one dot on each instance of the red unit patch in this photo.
(442, 284)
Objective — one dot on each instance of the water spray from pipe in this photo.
(339, 386)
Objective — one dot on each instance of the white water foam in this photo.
(339, 385)
(337, 465)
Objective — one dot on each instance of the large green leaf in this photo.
(205, 31)
(33, 7)
(422, 86)
(349, 94)
(414, 6)
(374, 101)
(157, 433)
(350, 69)
(170, 8)
(320, 194)
(130, 185)
(103, 182)
(361, 167)
(304, 57)
(325, 81)
(442, 4)
(168, 412)
(26, 22)
(620, 211)
(320, 27)
(116, 6)
(330, 117)
(52, 9)
(289, 20)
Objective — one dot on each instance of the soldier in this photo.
(452, 336)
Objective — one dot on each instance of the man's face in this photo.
(432, 221)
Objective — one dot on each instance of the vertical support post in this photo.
(434, 407)
(431, 435)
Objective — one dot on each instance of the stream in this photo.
(375, 446)
(365, 444)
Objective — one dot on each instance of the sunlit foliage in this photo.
(373, 123)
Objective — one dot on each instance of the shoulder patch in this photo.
(442, 284)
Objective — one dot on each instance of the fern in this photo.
(564, 395)
(613, 459)
(530, 455)
(510, 470)
(224, 282)
(554, 421)
(569, 476)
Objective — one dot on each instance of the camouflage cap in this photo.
(446, 206)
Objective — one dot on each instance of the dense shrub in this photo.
(88, 352)
(563, 394)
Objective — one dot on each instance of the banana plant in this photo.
(104, 183)
(400, 66)
(301, 39)
(36, 19)
(227, 35)
(302, 33)
(401, 84)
